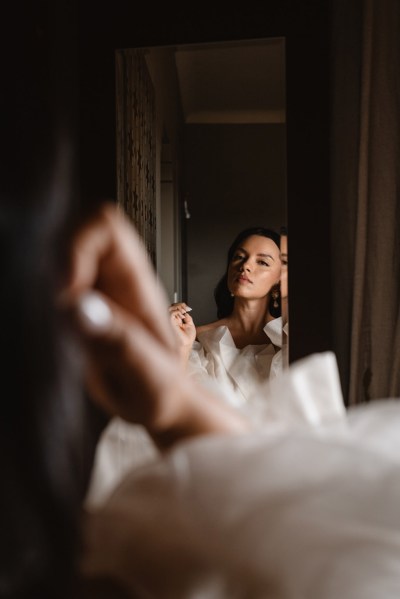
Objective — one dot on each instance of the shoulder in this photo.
(205, 328)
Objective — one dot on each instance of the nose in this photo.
(244, 265)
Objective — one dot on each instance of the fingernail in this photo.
(94, 313)
(188, 309)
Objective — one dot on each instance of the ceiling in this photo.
(232, 82)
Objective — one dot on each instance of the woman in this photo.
(100, 336)
(307, 507)
(226, 511)
(234, 355)
(240, 349)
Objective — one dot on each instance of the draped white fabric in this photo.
(298, 509)
(238, 372)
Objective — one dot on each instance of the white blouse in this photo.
(237, 372)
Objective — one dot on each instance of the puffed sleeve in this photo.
(198, 364)
(274, 332)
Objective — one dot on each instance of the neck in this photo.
(248, 320)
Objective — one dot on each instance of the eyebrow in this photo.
(266, 256)
(261, 255)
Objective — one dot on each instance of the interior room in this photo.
(323, 70)
(147, 452)
(220, 160)
(303, 30)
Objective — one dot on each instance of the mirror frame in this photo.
(306, 29)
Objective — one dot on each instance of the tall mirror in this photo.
(201, 154)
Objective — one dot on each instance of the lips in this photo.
(243, 279)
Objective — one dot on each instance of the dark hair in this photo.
(222, 295)
(284, 230)
(45, 415)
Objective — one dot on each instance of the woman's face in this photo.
(255, 268)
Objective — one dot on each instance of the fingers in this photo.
(180, 308)
(181, 318)
(184, 327)
(179, 314)
(129, 372)
(107, 254)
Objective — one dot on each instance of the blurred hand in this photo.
(133, 357)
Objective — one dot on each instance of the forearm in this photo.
(184, 355)
(201, 413)
(133, 362)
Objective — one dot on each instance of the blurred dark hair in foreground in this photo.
(44, 452)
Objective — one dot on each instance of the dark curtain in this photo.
(365, 197)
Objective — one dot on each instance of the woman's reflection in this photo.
(241, 349)
(235, 354)
(284, 295)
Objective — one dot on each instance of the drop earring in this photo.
(275, 297)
